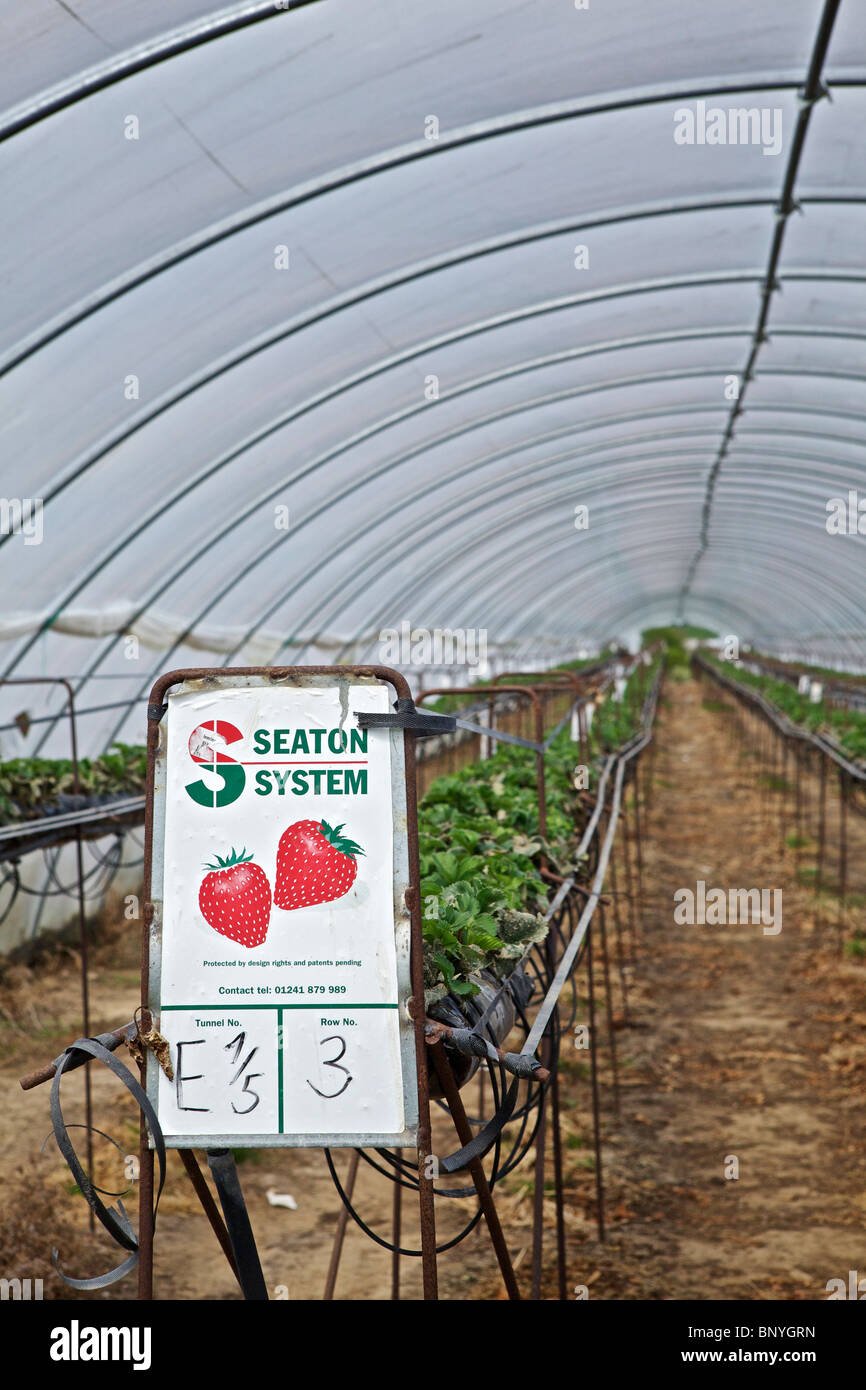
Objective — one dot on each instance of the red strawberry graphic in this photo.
(235, 898)
(315, 864)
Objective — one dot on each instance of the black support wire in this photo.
(148, 55)
(811, 92)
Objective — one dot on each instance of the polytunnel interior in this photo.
(433, 660)
(323, 318)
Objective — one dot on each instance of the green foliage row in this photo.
(480, 845)
(446, 704)
(847, 727)
(674, 639)
(30, 786)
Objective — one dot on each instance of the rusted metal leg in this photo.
(620, 962)
(340, 1231)
(822, 824)
(558, 1181)
(538, 1199)
(611, 1031)
(596, 1128)
(843, 849)
(637, 836)
(85, 1005)
(629, 888)
(145, 1214)
(211, 1211)
(475, 1166)
(396, 1223)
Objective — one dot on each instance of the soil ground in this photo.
(737, 1046)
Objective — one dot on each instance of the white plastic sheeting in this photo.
(299, 341)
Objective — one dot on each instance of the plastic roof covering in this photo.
(410, 258)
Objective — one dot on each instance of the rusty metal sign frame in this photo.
(407, 932)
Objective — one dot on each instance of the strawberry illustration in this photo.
(235, 899)
(315, 864)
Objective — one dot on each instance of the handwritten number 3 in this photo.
(333, 1062)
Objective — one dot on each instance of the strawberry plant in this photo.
(846, 727)
(480, 847)
(34, 787)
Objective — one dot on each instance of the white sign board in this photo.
(279, 966)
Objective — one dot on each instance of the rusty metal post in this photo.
(561, 1264)
(617, 926)
(629, 888)
(475, 1166)
(425, 1142)
(211, 1210)
(596, 1125)
(396, 1223)
(82, 911)
(611, 1031)
(637, 833)
(822, 825)
(538, 1199)
(843, 850)
(340, 1231)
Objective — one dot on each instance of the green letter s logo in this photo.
(204, 748)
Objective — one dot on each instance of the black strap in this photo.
(250, 1277)
(407, 717)
(116, 1222)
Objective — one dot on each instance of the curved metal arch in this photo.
(515, 519)
(747, 625)
(132, 61)
(813, 90)
(506, 569)
(407, 594)
(287, 417)
(623, 443)
(433, 486)
(332, 392)
(512, 577)
(783, 572)
(817, 574)
(676, 374)
(596, 563)
(457, 512)
(162, 404)
(384, 162)
(383, 284)
(273, 426)
(433, 519)
(661, 411)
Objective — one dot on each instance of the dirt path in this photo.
(748, 1046)
(741, 1045)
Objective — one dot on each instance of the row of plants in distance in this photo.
(846, 727)
(446, 704)
(483, 895)
(34, 787)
